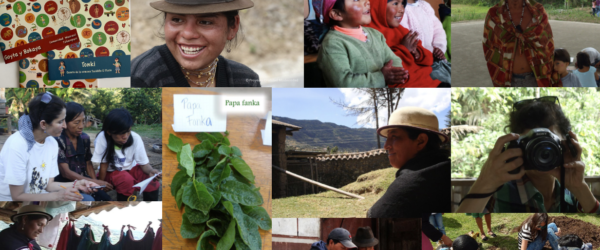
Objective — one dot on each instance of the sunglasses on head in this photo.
(47, 97)
(549, 99)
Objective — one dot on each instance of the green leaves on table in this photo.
(175, 143)
(216, 189)
(186, 160)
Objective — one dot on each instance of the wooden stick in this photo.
(319, 184)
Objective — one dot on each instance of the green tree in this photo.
(144, 104)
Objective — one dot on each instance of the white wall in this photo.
(305, 227)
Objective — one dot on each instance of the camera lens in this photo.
(545, 155)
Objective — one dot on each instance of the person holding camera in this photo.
(524, 177)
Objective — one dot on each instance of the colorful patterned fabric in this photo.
(520, 196)
(500, 42)
(76, 158)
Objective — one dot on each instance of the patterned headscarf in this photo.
(322, 9)
(26, 130)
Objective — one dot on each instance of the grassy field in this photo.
(462, 12)
(330, 204)
(502, 224)
(153, 131)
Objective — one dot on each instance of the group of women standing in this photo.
(36, 167)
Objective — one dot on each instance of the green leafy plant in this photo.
(216, 189)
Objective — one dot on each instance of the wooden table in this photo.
(244, 132)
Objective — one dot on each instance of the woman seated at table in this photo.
(196, 33)
(74, 155)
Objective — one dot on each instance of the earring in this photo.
(228, 46)
(23, 228)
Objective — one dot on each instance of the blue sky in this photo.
(315, 104)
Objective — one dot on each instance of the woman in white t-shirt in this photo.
(122, 157)
(535, 231)
(28, 160)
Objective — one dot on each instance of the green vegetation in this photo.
(216, 188)
(479, 117)
(461, 12)
(144, 104)
(468, 12)
(330, 204)
(503, 225)
(153, 131)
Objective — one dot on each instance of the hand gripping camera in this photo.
(542, 150)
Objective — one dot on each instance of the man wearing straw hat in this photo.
(422, 181)
(29, 223)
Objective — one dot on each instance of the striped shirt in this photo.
(525, 234)
(521, 196)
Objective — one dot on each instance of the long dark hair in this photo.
(73, 111)
(48, 112)
(533, 222)
(118, 121)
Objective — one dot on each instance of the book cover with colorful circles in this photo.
(102, 51)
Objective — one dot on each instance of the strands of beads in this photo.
(208, 71)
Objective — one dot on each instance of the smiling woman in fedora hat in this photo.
(422, 181)
(195, 32)
(29, 222)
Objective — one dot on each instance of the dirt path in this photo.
(468, 62)
(154, 157)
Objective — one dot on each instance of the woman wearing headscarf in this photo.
(196, 33)
(386, 16)
(29, 223)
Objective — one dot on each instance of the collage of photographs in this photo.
(372, 145)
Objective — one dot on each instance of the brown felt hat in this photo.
(364, 237)
(413, 117)
(200, 6)
(30, 210)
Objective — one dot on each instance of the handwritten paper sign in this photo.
(198, 113)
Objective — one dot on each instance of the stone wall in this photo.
(333, 172)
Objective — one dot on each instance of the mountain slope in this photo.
(316, 135)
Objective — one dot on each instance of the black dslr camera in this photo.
(542, 150)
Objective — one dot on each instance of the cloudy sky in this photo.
(315, 104)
